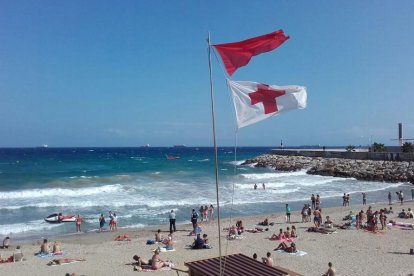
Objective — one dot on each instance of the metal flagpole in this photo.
(215, 148)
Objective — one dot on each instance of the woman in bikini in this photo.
(293, 232)
(78, 223)
(279, 236)
(211, 212)
(157, 262)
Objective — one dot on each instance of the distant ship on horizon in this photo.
(180, 146)
(44, 146)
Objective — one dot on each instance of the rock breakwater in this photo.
(370, 170)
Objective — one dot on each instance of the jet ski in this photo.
(58, 218)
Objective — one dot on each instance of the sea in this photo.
(142, 186)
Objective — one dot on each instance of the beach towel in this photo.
(298, 253)
(8, 260)
(148, 268)
(46, 255)
(123, 238)
(64, 261)
(164, 249)
(235, 237)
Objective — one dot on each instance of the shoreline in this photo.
(349, 250)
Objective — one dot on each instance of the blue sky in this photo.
(128, 73)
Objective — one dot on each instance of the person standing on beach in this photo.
(211, 212)
(364, 198)
(318, 201)
(115, 223)
(172, 221)
(111, 221)
(78, 222)
(389, 198)
(194, 217)
(313, 201)
(400, 195)
(101, 222)
(344, 200)
(288, 211)
(347, 199)
(201, 210)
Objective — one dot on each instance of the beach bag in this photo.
(150, 242)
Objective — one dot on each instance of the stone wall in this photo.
(357, 155)
(372, 170)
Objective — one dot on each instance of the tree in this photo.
(407, 147)
(350, 148)
(377, 147)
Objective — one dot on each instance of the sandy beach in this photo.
(352, 252)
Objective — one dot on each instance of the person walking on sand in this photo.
(201, 210)
(389, 198)
(205, 213)
(172, 221)
(318, 201)
(111, 221)
(78, 222)
(331, 271)
(401, 197)
(194, 217)
(288, 211)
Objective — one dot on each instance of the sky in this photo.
(131, 73)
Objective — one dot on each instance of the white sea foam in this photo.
(264, 176)
(56, 192)
(203, 160)
(237, 163)
(36, 225)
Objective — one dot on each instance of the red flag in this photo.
(238, 54)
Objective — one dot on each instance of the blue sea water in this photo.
(142, 186)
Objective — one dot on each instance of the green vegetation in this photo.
(350, 148)
(407, 147)
(377, 147)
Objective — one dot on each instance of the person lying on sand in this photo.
(320, 230)
(287, 248)
(138, 263)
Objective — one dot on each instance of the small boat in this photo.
(171, 157)
(54, 218)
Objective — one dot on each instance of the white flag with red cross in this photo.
(255, 102)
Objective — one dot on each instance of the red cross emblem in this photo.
(266, 96)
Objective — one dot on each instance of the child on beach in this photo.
(44, 248)
(268, 259)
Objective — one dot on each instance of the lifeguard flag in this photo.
(255, 102)
(238, 54)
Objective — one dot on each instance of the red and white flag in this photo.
(255, 102)
(238, 54)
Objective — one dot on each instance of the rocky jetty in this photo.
(370, 170)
